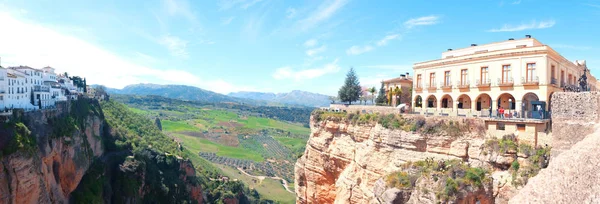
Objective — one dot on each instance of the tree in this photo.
(351, 89)
(362, 99)
(381, 99)
(397, 93)
(333, 99)
(84, 86)
(372, 90)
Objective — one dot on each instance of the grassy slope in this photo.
(196, 144)
(291, 143)
(268, 188)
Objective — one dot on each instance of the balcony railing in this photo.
(38, 88)
(418, 87)
(534, 81)
(483, 83)
(462, 84)
(447, 85)
(554, 81)
(506, 82)
(431, 86)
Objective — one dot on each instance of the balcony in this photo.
(462, 84)
(447, 85)
(530, 82)
(38, 88)
(483, 83)
(554, 82)
(506, 82)
(431, 86)
(418, 87)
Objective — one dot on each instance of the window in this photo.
(431, 79)
(562, 77)
(463, 77)
(447, 78)
(570, 77)
(552, 70)
(484, 75)
(521, 127)
(500, 126)
(505, 73)
(418, 81)
(530, 72)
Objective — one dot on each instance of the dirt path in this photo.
(261, 178)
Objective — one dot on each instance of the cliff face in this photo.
(52, 169)
(346, 162)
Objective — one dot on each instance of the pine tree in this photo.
(381, 99)
(351, 90)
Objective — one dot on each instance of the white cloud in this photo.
(242, 4)
(524, 26)
(516, 2)
(357, 50)
(324, 12)
(315, 51)
(288, 72)
(179, 7)
(290, 13)
(311, 43)
(227, 21)
(387, 38)
(593, 5)
(421, 21)
(176, 46)
(38, 46)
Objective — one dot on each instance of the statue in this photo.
(583, 81)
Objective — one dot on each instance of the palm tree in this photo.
(397, 93)
(372, 91)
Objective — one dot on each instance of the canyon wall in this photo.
(572, 176)
(51, 169)
(344, 161)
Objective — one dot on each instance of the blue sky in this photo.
(276, 45)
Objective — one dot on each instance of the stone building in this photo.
(517, 75)
(392, 87)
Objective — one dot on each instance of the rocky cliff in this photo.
(348, 157)
(43, 165)
(69, 154)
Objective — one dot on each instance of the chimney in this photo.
(407, 74)
(449, 49)
(527, 36)
(402, 76)
(473, 45)
(511, 39)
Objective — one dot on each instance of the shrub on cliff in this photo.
(17, 138)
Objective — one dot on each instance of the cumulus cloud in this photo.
(176, 46)
(524, 26)
(288, 72)
(387, 38)
(421, 21)
(315, 51)
(38, 46)
(357, 50)
(310, 43)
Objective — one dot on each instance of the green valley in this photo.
(255, 145)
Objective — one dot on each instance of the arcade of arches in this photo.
(526, 102)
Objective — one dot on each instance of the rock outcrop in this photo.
(52, 169)
(343, 162)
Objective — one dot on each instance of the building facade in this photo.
(398, 90)
(29, 88)
(518, 76)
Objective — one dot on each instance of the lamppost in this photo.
(457, 102)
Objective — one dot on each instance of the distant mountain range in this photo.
(295, 97)
(191, 93)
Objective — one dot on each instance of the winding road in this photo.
(285, 183)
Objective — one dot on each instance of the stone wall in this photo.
(366, 109)
(573, 117)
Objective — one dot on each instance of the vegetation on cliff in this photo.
(16, 137)
(454, 178)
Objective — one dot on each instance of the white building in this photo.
(30, 89)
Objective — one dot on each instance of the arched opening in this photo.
(527, 99)
(447, 101)
(506, 101)
(550, 102)
(418, 102)
(431, 102)
(484, 102)
(464, 102)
